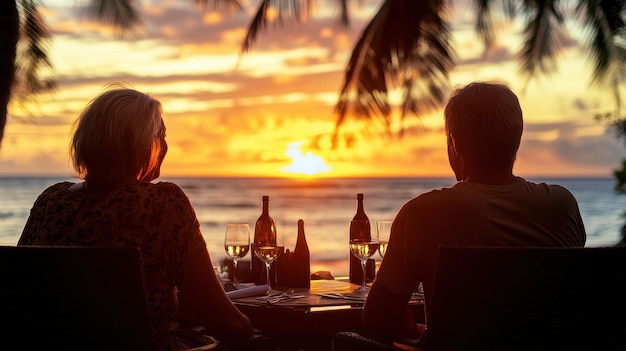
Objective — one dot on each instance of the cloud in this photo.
(593, 154)
(228, 113)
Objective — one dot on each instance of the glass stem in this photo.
(234, 271)
(363, 263)
(267, 270)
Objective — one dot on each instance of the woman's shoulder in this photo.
(55, 189)
(142, 186)
(163, 188)
(160, 191)
(60, 185)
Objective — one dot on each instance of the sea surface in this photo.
(325, 205)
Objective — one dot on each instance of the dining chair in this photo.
(488, 298)
(73, 298)
(80, 298)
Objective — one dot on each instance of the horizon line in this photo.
(306, 177)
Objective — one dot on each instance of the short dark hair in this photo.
(119, 136)
(486, 122)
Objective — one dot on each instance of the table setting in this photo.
(302, 314)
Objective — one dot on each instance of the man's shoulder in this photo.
(434, 200)
(555, 191)
(437, 195)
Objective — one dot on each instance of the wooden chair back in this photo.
(87, 298)
(528, 299)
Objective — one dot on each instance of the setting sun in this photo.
(304, 163)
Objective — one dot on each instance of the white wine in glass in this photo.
(382, 248)
(363, 250)
(383, 229)
(362, 245)
(237, 243)
(267, 252)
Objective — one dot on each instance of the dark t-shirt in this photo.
(521, 214)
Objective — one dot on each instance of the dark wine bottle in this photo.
(301, 260)
(274, 269)
(356, 269)
(264, 227)
(285, 269)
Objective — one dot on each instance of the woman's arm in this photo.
(203, 301)
(201, 297)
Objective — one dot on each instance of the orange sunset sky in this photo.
(270, 112)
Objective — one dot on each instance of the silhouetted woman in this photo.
(117, 149)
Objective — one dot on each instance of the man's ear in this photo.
(453, 144)
(455, 159)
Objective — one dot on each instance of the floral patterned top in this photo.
(156, 217)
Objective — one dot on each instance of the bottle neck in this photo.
(359, 204)
(301, 236)
(301, 245)
(265, 208)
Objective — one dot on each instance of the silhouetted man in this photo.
(488, 206)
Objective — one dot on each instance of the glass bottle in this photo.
(264, 226)
(285, 269)
(301, 260)
(356, 269)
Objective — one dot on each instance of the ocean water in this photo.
(325, 205)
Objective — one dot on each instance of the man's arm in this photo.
(387, 316)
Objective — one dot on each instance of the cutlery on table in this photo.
(342, 297)
(284, 298)
(271, 296)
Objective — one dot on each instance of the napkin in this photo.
(247, 292)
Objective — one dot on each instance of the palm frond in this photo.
(344, 17)
(484, 22)
(365, 73)
(284, 12)
(603, 20)
(9, 20)
(510, 8)
(33, 52)
(543, 37)
(122, 14)
(220, 5)
(619, 76)
(406, 45)
(259, 21)
(429, 88)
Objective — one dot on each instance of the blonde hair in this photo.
(119, 136)
(486, 122)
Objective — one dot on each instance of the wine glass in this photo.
(266, 248)
(237, 243)
(383, 229)
(362, 245)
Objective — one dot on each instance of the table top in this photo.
(315, 311)
(321, 293)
